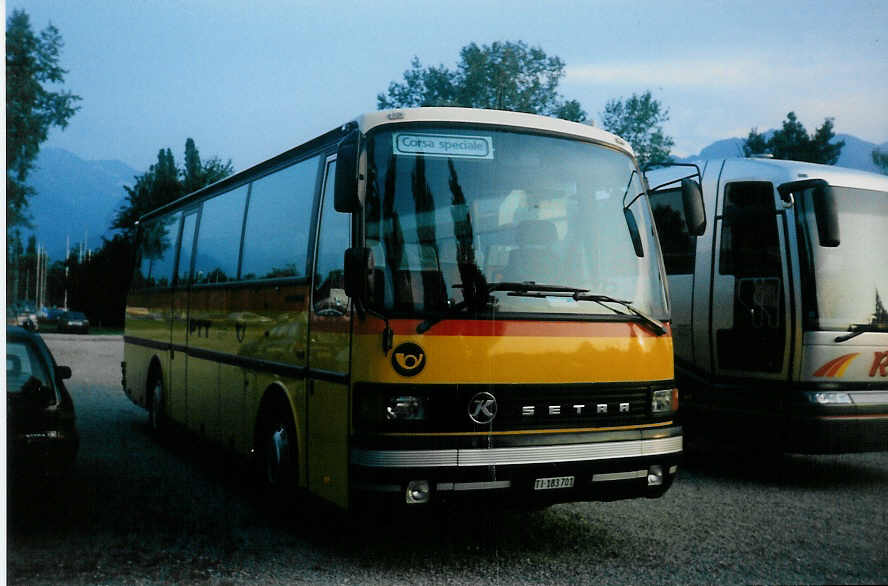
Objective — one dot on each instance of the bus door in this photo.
(176, 395)
(329, 353)
(750, 299)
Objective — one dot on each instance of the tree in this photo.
(502, 76)
(640, 121)
(32, 69)
(792, 142)
(880, 159)
(165, 182)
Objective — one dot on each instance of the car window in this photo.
(23, 362)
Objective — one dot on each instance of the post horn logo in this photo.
(408, 359)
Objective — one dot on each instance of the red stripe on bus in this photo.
(554, 329)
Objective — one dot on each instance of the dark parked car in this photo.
(73, 321)
(41, 430)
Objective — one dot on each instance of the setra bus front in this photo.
(842, 221)
(512, 335)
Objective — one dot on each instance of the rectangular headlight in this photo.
(664, 401)
(829, 398)
(405, 408)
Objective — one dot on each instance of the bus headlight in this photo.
(405, 408)
(829, 398)
(664, 401)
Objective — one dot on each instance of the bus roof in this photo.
(501, 118)
(780, 171)
(371, 120)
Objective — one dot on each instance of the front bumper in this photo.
(46, 453)
(604, 470)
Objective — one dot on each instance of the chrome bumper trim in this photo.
(869, 397)
(457, 486)
(635, 474)
(504, 456)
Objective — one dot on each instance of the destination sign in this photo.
(443, 145)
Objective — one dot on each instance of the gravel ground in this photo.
(136, 512)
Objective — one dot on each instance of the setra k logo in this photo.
(482, 408)
(408, 359)
(880, 364)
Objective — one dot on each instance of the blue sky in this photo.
(247, 80)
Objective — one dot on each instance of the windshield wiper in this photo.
(516, 288)
(856, 329)
(657, 327)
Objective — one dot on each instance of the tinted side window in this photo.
(218, 238)
(157, 250)
(749, 242)
(335, 234)
(278, 221)
(186, 246)
(679, 247)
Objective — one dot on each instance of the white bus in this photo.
(779, 307)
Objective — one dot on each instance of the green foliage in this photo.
(792, 142)
(502, 76)
(32, 69)
(639, 120)
(164, 182)
(880, 159)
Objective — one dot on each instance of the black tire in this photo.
(156, 403)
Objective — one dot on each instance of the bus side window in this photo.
(334, 237)
(218, 239)
(156, 249)
(678, 245)
(278, 220)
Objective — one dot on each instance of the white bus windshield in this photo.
(851, 279)
(445, 206)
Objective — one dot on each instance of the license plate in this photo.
(555, 482)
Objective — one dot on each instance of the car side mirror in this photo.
(63, 372)
(695, 213)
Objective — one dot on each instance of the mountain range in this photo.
(76, 199)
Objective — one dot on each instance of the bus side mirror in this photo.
(345, 198)
(695, 214)
(634, 233)
(827, 215)
(358, 272)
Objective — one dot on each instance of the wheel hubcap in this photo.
(278, 453)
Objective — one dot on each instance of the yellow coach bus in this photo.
(423, 303)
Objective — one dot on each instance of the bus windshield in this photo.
(449, 208)
(850, 280)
